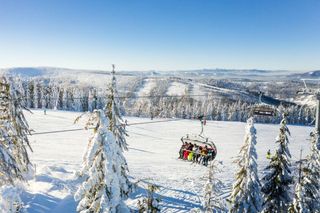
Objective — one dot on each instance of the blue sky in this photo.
(161, 34)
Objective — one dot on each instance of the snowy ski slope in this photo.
(152, 158)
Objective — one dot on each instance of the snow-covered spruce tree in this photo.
(112, 110)
(102, 189)
(212, 191)
(246, 194)
(13, 132)
(117, 127)
(312, 174)
(299, 204)
(20, 133)
(15, 165)
(9, 169)
(307, 193)
(151, 203)
(278, 177)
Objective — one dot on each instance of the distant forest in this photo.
(40, 94)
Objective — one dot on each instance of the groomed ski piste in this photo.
(152, 158)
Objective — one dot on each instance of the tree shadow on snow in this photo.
(169, 203)
(39, 203)
(44, 203)
(68, 204)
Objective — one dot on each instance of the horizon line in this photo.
(154, 70)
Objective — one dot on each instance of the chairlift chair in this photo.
(263, 109)
(201, 140)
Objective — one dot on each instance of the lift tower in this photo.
(316, 94)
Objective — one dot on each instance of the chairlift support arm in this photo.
(316, 93)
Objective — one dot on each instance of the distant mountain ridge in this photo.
(311, 74)
(218, 73)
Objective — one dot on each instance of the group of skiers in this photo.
(197, 154)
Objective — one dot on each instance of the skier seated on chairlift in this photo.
(186, 148)
(182, 149)
(197, 154)
(212, 153)
(204, 155)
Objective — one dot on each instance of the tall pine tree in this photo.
(9, 169)
(117, 127)
(101, 191)
(22, 130)
(307, 193)
(246, 196)
(278, 177)
(112, 110)
(107, 183)
(212, 201)
(312, 174)
(15, 163)
(299, 204)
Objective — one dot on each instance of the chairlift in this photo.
(263, 109)
(201, 141)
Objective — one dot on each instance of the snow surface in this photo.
(148, 85)
(177, 88)
(152, 157)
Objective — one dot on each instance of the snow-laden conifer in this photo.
(307, 197)
(104, 166)
(246, 195)
(9, 169)
(112, 111)
(102, 189)
(117, 127)
(20, 133)
(299, 204)
(212, 201)
(151, 203)
(278, 177)
(15, 163)
(312, 174)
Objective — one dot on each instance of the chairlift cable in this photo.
(82, 129)
(119, 97)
